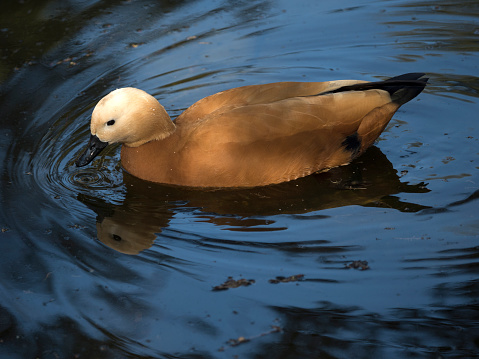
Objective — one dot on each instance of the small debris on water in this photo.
(231, 283)
(76, 226)
(293, 278)
(235, 342)
(242, 340)
(134, 45)
(362, 265)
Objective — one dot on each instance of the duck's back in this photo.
(257, 94)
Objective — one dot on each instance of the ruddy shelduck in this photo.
(248, 136)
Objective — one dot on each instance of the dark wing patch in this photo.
(352, 143)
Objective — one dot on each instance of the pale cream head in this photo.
(130, 116)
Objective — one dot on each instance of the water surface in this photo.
(98, 264)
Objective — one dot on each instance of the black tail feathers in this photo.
(402, 88)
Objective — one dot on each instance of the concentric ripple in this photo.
(86, 178)
(53, 170)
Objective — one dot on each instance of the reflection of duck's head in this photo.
(125, 235)
(132, 226)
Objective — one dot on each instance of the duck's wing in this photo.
(272, 92)
(257, 94)
(365, 108)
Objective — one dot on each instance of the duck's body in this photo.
(250, 136)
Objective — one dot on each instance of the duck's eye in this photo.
(117, 238)
(110, 123)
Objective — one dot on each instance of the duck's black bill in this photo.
(94, 148)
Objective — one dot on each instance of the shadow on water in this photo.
(132, 226)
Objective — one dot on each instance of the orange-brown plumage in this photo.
(253, 135)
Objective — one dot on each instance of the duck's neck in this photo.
(155, 160)
(152, 125)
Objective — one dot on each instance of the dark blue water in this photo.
(377, 259)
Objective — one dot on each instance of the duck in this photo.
(249, 136)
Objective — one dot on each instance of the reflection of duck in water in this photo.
(248, 136)
(133, 226)
(125, 234)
